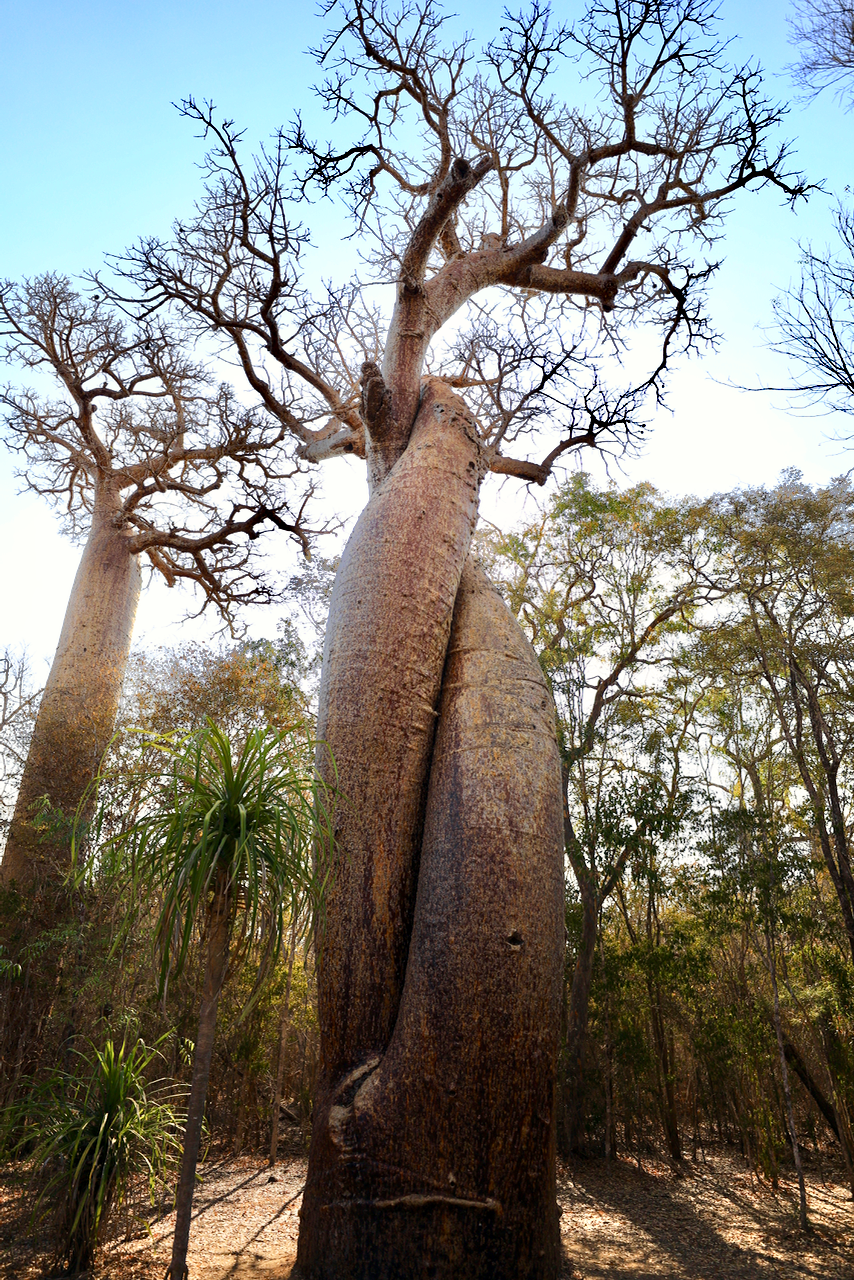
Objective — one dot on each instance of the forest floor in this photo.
(713, 1221)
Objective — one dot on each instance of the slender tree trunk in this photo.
(666, 1066)
(828, 1041)
(787, 1092)
(280, 1064)
(579, 1007)
(218, 934)
(610, 1126)
(435, 1157)
(794, 1059)
(81, 697)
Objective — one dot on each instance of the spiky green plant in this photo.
(90, 1135)
(236, 849)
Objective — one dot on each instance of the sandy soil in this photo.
(715, 1221)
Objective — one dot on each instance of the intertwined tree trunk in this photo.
(433, 1142)
(80, 700)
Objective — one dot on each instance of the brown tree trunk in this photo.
(283, 1043)
(218, 938)
(435, 1156)
(803, 1220)
(80, 700)
(385, 645)
(579, 1006)
(665, 1073)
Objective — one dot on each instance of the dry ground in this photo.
(714, 1222)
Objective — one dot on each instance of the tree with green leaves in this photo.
(788, 553)
(606, 583)
(226, 844)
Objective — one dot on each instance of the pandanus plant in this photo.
(236, 846)
(89, 1133)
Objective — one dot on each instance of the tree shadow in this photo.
(665, 1233)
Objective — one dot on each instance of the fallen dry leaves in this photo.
(714, 1221)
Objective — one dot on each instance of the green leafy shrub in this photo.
(90, 1136)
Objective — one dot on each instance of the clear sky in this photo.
(93, 155)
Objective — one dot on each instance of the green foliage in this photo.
(255, 824)
(9, 968)
(88, 1137)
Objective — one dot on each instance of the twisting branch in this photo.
(475, 189)
(144, 438)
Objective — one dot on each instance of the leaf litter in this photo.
(711, 1220)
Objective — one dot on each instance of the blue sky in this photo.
(93, 155)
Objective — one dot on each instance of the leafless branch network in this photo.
(140, 434)
(572, 177)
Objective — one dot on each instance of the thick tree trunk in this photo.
(386, 638)
(80, 700)
(435, 1156)
(218, 937)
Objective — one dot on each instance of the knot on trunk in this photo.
(375, 404)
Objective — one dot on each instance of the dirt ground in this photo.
(715, 1221)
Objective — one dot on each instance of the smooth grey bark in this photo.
(81, 697)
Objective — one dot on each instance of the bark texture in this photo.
(81, 697)
(386, 638)
(436, 1157)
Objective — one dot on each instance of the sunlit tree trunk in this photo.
(80, 699)
(433, 1140)
(386, 638)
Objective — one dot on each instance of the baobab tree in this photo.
(823, 32)
(149, 460)
(544, 232)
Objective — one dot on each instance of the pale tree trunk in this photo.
(386, 637)
(81, 697)
(433, 1139)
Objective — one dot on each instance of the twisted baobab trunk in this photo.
(433, 1142)
(385, 648)
(81, 697)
